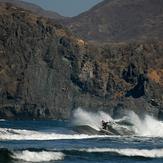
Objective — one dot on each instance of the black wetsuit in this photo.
(104, 125)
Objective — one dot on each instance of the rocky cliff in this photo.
(33, 74)
(46, 72)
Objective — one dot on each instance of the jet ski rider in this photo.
(104, 124)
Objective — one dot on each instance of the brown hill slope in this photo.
(121, 20)
(34, 8)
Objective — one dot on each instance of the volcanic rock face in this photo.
(120, 20)
(121, 76)
(46, 72)
(32, 72)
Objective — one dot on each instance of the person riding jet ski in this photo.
(104, 124)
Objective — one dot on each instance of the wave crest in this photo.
(38, 156)
(154, 153)
(17, 134)
(146, 127)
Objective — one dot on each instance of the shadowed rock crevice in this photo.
(139, 89)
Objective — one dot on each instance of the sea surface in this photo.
(57, 142)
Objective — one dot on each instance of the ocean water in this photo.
(56, 141)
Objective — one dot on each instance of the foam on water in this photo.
(43, 156)
(154, 153)
(81, 117)
(148, 127)
(17, 134)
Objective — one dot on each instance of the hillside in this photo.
(34, 8)
(120, 20)
(46, 72)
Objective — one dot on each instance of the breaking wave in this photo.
(42, 156)
(147, 127)
(154, 153)
(17, 134)
(56, 155)
(81, 117)
(30, 156)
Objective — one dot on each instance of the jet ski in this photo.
(117, 129)
(111, 128)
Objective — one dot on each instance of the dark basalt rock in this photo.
(139, 89)
(46, 72)
(131, 74)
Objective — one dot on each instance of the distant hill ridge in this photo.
(34, 8)
(111, 20)
(120, 20)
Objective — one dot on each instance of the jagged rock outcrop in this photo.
(120, 20)
(121, 76)
(46, 72)
(32, 72)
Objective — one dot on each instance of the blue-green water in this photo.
(55, 141)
